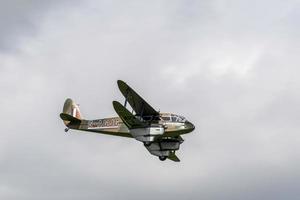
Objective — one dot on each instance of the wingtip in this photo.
(62, 116)
(122, 86)
(173, 157)
(116, 104)
(120, 82)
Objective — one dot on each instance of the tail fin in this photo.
(70, 109)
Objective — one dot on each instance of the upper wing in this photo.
(129, 119)
(138, 104)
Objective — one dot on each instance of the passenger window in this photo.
(174, 119)
(166, 118)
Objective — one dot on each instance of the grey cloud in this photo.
(20, 19)
(229, 68)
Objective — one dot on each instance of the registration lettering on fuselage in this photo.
(104, 123)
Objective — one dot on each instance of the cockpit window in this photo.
(174, 118)
(181, 119)
(178, 119)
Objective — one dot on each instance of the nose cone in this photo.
(189, 126)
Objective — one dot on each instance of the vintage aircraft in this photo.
(160, 132)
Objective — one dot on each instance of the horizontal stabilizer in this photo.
(173, 157)
(70, 118)
(127, 117)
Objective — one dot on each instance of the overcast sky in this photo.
(230, 67)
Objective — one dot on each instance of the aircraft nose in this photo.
(189, 125)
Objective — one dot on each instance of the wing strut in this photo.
(126, 96)
(142, 110)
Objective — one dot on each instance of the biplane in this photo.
(159, 132)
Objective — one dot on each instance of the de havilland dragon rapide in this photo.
(159, 132)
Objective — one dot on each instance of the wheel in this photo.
(162, 158)
(147, 144)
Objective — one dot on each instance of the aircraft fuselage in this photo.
(115, 126)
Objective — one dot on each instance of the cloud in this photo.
(229, 68)
(20, 20)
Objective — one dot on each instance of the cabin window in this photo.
(174, 119)
(166, 118)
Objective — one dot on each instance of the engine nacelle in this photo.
(164, 147)
(148, 134)
(169, 145)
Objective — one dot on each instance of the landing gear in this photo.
(66, 129)
(162, 158)
(147, 144)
